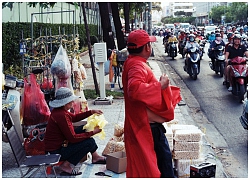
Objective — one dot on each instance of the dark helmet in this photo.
(191, 38)
(229, 35)
(217, 35)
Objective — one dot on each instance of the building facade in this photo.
(61, 13)
(176, 7)
(202, 10)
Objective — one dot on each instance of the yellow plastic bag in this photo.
(96, 120)
(113, 59)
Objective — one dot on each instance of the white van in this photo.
(209, 29)
(185, 26)
(169, 26)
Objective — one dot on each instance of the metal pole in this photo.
(32, 34)
(150, 18)
(23, 55)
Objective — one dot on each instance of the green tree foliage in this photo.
(239, 11)
(11, 36)
(172, 20)
(217, 12)
(236, 12)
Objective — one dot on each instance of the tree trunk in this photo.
(106, 25)
(126, 17)
(118, 26)
(90, 51)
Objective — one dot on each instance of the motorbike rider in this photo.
(198, 37)
(233, 29)
(211, 37)
(190, 43)
(166, 36)
(223, 36)
(230, 39)
(242, 33)
(232, 51)
(218, 41)
(186, 39)
(172, 38)
(181, 38)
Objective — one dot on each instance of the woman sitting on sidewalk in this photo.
(62, 138)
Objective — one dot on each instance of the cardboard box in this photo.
(117, 162)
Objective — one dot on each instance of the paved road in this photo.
(219, 107)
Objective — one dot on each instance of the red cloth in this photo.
(141, 91)
(60, 128)
(181, 37)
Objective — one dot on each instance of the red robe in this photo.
(141, 91)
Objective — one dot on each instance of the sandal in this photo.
(73, 173)
(103, 161)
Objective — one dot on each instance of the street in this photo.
(212, 103)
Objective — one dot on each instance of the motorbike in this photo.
(182, 45)
(11, 99)
(202, 44)
(219, 64)
(165, 42)
(239, 77)
(172, 49)
(244, 116)
(192, 63)
(245, 42)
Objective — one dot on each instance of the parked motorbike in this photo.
(172, 49)
(11, 98)
(192, 62)
(219, 64)
(239, 76)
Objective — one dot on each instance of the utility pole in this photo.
(146, 19)
(150, 18)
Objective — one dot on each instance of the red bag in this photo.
(34, 144)
(35, 108)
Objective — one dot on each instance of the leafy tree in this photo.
(172, 20)
(236, 12)
(217, 12)
(239, 11)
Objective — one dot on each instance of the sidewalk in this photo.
(113, 113)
